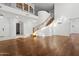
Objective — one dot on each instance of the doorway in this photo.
(19, 28)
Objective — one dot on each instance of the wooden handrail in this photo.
(39, 26)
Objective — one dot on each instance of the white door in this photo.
(1, 28)
(4, 28)
(75, 27)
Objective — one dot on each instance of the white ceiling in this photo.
(44, 6)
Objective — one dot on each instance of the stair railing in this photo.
(43, 24)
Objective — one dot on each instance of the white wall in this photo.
(28, 26)
(12, 26)
(74, 25)
(68, 10)
(9, 25)
(61, 27)
(4, 27)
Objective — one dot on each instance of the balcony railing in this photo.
(22, 6)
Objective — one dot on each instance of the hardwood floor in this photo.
(75, 44)
(40, 46)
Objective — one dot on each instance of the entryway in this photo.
(19, 28)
